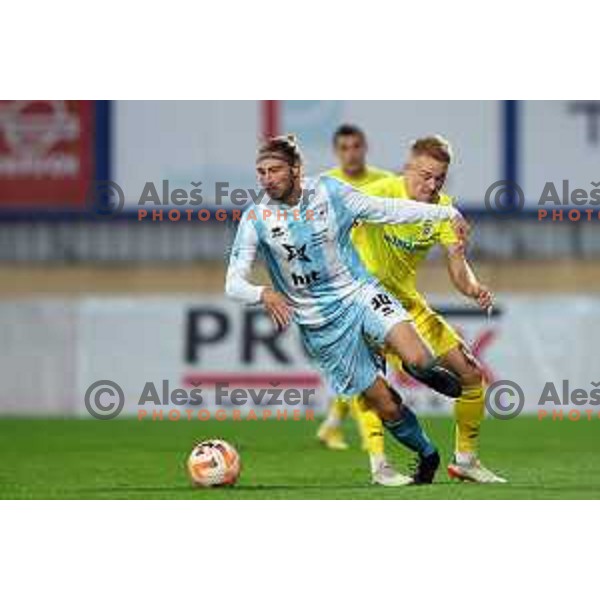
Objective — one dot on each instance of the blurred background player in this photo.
(350, 146)
(343, 330)
(394, 252)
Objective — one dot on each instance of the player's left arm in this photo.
(464, 278)
(461, 273)
(388, 210)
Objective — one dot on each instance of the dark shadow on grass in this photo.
(232, 490)
(250, 488)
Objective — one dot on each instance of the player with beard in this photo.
(345, 316)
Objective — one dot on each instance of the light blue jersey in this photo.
(343, 313)
(309, 255)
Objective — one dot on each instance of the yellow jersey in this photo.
(370, 175)
(392, 253)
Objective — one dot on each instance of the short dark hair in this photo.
(284, 147)
(348, 129)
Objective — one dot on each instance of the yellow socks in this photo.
(369, 425)
(337, 412)
(468, 413)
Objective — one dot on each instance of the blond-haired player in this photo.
(393, 255)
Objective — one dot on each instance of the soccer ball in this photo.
(213, 463)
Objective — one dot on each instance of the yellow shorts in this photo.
(434, 329)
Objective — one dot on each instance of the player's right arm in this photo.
(243, 253)
(237, 284)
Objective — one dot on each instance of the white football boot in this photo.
(386, 475)
(473, 471)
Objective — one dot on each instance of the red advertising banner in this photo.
(46, 153)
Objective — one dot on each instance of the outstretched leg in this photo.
(418, 360)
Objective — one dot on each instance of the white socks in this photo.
(464, 458)
(377, 461)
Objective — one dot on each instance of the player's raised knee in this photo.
(419, 358)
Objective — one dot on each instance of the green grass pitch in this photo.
(145, 460)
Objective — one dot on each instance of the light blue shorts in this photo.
(346, 349)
